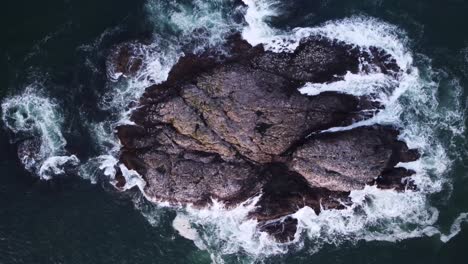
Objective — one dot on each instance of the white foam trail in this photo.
(456, 228)
(32, 115)
(356, 84)
(365, 32)
(204, 23)
(55, 165)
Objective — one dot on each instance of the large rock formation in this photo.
(231, 128)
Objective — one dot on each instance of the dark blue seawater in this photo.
(61, 46)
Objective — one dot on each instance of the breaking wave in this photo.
(36, 122)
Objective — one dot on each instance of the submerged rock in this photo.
(232, 128)
(127, 59)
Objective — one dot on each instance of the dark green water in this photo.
(70, 220)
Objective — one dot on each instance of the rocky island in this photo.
(233, 127)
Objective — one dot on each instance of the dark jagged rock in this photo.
(315, 60)
(395, 178)
(125, 59)
(283, 230)
(285, 192)
(233, 127)
(320, 60)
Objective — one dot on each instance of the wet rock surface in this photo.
(348, 160)
(125, 60)
(231, 128)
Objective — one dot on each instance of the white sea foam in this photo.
(356, 84)
(392, 216)
(224, 231)
(55, 165)
(156, 64)
(456, 227)
(257, 30)
(197, 24)
(37, 122)
(182, 224)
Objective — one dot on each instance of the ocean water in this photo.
(57, 205)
